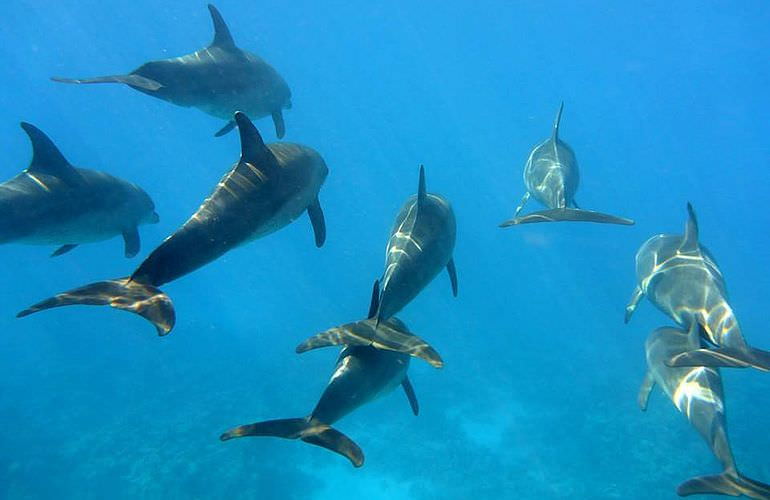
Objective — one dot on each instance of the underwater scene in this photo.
(384, 250)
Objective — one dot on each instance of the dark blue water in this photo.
(664, 103)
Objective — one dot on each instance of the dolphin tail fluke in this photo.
(308, 430)
(723, 357)
(122, 293)
(132, 80)
(727, 483)
(567, 214)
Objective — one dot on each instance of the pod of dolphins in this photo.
(52, 202)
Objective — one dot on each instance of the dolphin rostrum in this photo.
(696, 392)
(269, 187)
(420, 245)
(682, 279)
(551, 176)
(52, 202)
(219, 80)
(362, 374)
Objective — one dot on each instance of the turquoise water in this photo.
(664, 104)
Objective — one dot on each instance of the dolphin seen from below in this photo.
(682, 279)
(420, 245)
(219, 80)
(52, 202)
(697, 393)
(551, 176)
(362, 374)
(269, 187)
(390, 335)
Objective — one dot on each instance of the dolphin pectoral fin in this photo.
(410, 395)
(131, 242)
(132, 80)
(280, 125)
(374, 304)
(385, 336)
(721, 357)
(636, 296)
(226, 129)
(222, 37)
(452, 271)
(122, 293)
(308, 430)
(317, 220)
(63, 249)
(567, 214)
(690, 240)
(726, 483)
(644, 391)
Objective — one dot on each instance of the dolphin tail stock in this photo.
(307, 429)
(121, 293)
(729, 482)
(723, 357)
(132, 80)
(567, 214)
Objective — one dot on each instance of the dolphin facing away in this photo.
(52, 202)
(551, 176)
(269, 187)
(363, 373)
(697, 393)
(420, 245)
(219, 80)
(682, 279)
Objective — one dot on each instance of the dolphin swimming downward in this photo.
(697, 393)
(420, 245)
(219, 80)
(52, 202)
(269, 187)
(362, 374)
(682, 279)
(551, 176)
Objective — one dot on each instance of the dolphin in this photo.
(269, 187)
(362, 374)
(419, 247)
(696, 392)
(682, 279)
(219, 80)
(551, 176)
(52, 202)
(391, 335)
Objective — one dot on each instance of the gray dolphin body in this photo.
(362, 374)
(420, 245)
(219, 80)
(269, 187)
(551, 176)
(54, 203)
(697, 393)
(681, 278)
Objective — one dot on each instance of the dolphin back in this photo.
(307, 429)
(567, 214)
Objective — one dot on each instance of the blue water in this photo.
(664, 103)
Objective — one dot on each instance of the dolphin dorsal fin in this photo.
(46, 157)
(422, 193)
(374, 305)
(690, 240)
(556, 122)
(253, 149)
(222, 37)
